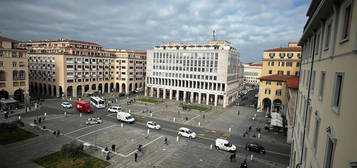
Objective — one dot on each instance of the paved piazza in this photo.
(182, 152)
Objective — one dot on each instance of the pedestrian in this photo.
(58, 133)
(204, 116)
(107, 156)
(39, 120)
(166, 141)
(106, 149)
(113, 147)
(139, 148)
(43, 119)
(250, 128)
(35, 121)
(54, 132)
(135, 156)
(238, 112)
(231, 158)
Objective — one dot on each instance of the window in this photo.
(13, 64)
(321, 85)
(288, 73)
(289, 64)
(297, 64)
(316, 131)
(282, 64)
(270, 71)
(313, 80)
(279, 84)
(268, 83)
(267, 91)
(278, 92)
(336, 98)
(330, 149)
(347, 22)
(271, 55)
(282, 55)
(280, 72)
(271, 63)
(328, 35)
(290, 55)
(317, 43)
(1, 63)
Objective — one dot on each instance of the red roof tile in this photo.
(2, 38)
(285, 49)
(280, 78)
(293, 83)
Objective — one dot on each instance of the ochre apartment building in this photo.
(279, 66)
(73, 68)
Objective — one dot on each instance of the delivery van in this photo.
(83, 107)
(223, 144)
(125, 117)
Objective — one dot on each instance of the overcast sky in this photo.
(250, 25)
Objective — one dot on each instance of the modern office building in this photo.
(325, 127)
(279, 66)
(195, 72)
(14, 81)
(73, 68)
(252, 71)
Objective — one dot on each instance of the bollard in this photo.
(129, 111)
(116, 100)
(19, 117)
(199, 123)
(230, 130)
(258, 135)
(174, 119)
(70, 98)
(79, 99)
(255, 115)
(211, 146)
(177, 138)
(148, 132)
(251, 157)
(150, 114)
(80, 114)
(65, 114)
(45, 114)
(121, 125)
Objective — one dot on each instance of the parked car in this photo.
(114, 109)
(93, 120)
(185, 132)
(66, 105)
(152, 125)
(254, 147)
(223, 144)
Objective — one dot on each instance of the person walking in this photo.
(135, 157)
(250, 128)
(166, 141)
(39, 120)
(113, 147)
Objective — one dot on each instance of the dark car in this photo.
(254, 147)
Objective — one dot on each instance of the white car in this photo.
(152, 125)
(66, 105)
(114, 109)
(223, 144)
(185, 132)
(93, 120)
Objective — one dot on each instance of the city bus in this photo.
(97, 102)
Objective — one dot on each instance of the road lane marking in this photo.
(191, 119)
(144, 146)
(79, 129)
(95, 131)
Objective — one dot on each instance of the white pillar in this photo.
(164, 93)
(199, 98)
(146, 91)
(177, 95)
(192, 94)
(215, 99)
(224, 101)
(184, 96)
(151, 92)
(158, 92)
(170, 94)
(207, 99)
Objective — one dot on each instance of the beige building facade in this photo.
(251, 73)
(14, 81)
(324, 132)
(73, 68)
(279, 65)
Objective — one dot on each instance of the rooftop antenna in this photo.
(214, 35)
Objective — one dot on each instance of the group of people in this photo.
(40, 120)
(246, 133)
(131, 101)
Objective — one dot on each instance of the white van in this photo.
(225, 145)
(125, 117)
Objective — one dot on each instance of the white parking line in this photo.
(95, 131)
(79, 129)
(191, 119)
(143, 146)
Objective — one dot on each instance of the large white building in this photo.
(196, 72)
(252, 71)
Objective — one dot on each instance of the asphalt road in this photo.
(274, 152)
